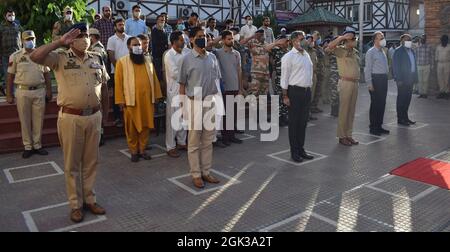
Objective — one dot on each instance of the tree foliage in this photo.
(41, 15)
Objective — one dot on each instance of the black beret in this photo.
(81, 26)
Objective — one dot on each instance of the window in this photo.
(368, 12)
(399, 14)
(353, 13)
(211, 2)
(258, 3)
(282, 5)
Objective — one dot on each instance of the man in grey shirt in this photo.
(230, 68)
(199, 72)
(376, 75)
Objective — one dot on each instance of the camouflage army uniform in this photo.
(277, 54)
(61, 27)
(313, 55)
(334, 78)
(319, 78)
(260, 69)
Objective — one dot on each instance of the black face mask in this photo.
(200, 42)
(137, 59)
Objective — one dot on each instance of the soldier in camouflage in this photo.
(325, 85)
(62, 26)
(320, 78)
(277, 53)
(313, 55)
(334, 78)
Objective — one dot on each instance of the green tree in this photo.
(41, 15)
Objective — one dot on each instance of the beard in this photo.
(137, 59)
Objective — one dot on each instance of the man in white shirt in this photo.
(117, 48)
(248, 29)
(172, 62)
(296, 82)
(212, 28)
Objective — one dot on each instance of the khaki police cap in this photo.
(28, 34)
(93, 31)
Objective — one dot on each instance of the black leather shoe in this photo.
(375, 132)
(403, 123)
(384, 131)
(296, 158)
(41, 152)
(411, 122)
(306, 156)
(27, 153)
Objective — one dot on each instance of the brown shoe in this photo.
(345, 141)
(181, 147)
(76, 215)
(210, 179)
(94, 208)
(198, 182)
(173, 153)
(352, 141)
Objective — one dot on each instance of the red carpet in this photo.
(426, 170)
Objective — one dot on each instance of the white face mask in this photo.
(408, 44)
(237, 37)
(136, 14)
(29, 44)
(250, 22)
(383, 42)
(11, 18)
(137, 49)
(68, 17)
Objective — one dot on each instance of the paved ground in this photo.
(344, 189)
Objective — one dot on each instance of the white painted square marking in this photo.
(11, 179)
(439, 155)
(126, 152)
(247, 136)
(274, 156)
(202, 191)
(379, 138)
(33, 228)
(416, 126)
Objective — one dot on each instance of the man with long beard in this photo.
(137, 89)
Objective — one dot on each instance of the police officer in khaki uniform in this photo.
(62, 26)
(33, 87)
(348, 67)
(81, 77)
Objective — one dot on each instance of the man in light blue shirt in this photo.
(134, 25)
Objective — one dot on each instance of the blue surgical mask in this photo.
(319, 42)
(29, 44)
(180, 27)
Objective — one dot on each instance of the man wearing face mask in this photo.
(137, 91)
(134, 25)
(268, 32)
(62, 26)
(348, 67)
(248, 30)
(376, 74)
(199, 69)
(9, 42)
(160, 44)
(296, 82)
(175, 139)
(33, 88)
(82, 94)
(405, 75)
(443, 68)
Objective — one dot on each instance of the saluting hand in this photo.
(69, 37)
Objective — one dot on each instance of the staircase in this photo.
(10, 132)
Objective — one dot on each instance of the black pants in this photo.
(229, 132)
(300, 99)
(404, 99)
(378, 100)
(157, 62)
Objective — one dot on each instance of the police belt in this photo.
(29, 87)
(80, 112)
(348, 79)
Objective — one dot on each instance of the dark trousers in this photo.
(116, 109)
(404, 99)
(378, 100)
(300, 99)
(228, 133)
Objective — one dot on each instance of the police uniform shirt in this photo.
(79, 80)
(348, 62)
(26, 71)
